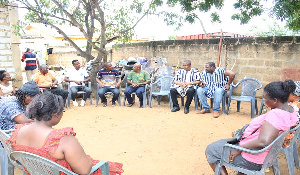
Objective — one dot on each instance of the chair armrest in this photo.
(246, 150)
(103, 165)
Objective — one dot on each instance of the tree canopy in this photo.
(288, 10)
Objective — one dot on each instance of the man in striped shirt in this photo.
(215, 81)
(184, 84)
(31, 63)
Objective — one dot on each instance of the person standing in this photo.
(137, 79)
(184, 84)
(215, 82)
(48, 82)
(77, 78)
(32, 63)
(109, 81)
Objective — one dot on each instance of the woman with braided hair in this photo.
(58, 145)
(13, 109)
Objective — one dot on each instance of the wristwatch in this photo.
(192, 83)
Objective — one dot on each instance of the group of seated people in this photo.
(34, 130)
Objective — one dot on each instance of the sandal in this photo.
(130, 104)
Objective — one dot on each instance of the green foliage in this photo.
(273, 30)
(172, 37)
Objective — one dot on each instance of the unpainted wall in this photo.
(264, 58)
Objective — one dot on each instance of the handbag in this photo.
(238, 136)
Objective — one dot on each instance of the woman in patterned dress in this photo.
(58, 145)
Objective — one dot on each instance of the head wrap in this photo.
(30, 88)
(297, 90)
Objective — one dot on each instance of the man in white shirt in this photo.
(77, 78)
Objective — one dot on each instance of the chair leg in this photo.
(276, 167)
(228, 105)
(196, 101)
(238, 106)
(69, 99)
(158, 100)
(290, 159)
(252, 108)
(256, 109)
(4, 161)
(119, 100)
(150, 99)
(295, 153)
(170, 101)
(182, 101)
(97, 99)
(217, 169)
(261, 107)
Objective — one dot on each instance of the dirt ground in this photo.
(154, 140)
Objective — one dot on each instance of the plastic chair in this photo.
(249, 88)
(163, 85)
(7, 163)
(97, 96)
(261, 105)
(271, 158)
(291, 152)
(144, 96)
(79, 92)
(37, 165)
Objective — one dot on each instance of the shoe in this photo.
(175, 109)
(203, 111)
(82, 103)
(186, 110)
(104, 104)
(113, 104)
(131, 104)
(216, 114)
(75, 103)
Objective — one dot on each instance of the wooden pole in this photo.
(220, 48)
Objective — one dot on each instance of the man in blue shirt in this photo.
(215, 81)
(109, 81)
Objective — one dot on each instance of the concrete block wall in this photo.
(264, 58)
(10, 59)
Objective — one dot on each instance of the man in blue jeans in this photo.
(109, 81)
(215, 81)
(137, 79)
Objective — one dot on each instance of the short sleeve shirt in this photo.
(137, 78)
(108, 78)
(215, 80)
(7, 90)
(78, 75)
(280, 119)
(10, 107)
(43, 79)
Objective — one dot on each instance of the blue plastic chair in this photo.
(110, 93)
(37, 165)
(144, 96)
(7, 163)
(249, 88)
(271, 158)
(291, 152)
(161, 87)
(79, 92)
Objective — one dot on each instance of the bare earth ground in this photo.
(154, 141)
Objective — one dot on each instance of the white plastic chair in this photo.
(37, 165)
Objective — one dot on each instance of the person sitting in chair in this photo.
(48, 82)
(261, 131)
(184, 84)
(137, 79)
(77, 78)
(13, 109)
(109, 81)
(215, 83)
(58, 145)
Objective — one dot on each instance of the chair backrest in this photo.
(37, 165)
(271, 157)
(250, 86)
(162, 84)
(3, 138)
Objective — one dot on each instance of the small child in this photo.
(294, 98)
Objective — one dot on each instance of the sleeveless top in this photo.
(50, 146)
(7, 90)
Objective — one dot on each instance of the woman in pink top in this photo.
(262, 130)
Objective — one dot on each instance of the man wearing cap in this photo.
(13, 109)
(48, 82)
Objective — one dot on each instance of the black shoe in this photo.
(175, 109)
(186, 110)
